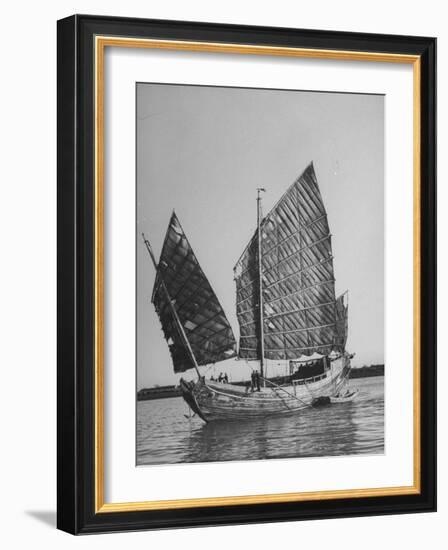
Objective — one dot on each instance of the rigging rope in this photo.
(286, 391)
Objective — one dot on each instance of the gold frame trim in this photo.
(101, 42)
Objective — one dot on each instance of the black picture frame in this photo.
(76, 511)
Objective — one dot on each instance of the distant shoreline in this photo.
(163, 392)
(365, 372)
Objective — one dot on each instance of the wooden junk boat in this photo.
(286, 308)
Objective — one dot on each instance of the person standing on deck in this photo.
(257, 380)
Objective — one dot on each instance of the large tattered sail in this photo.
(300, 313)
(205, 324)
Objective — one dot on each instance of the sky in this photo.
(203, 151)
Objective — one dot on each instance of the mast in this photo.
(260, 278)
(173, 309)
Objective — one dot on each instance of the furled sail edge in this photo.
(341, 321)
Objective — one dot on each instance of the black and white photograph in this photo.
(221, 251)
(260, 274)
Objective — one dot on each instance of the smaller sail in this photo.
(341, 328)
(200, 313)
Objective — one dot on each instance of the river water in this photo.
(165, 434)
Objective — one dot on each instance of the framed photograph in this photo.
(246, 274)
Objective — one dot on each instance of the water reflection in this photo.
(164, 435)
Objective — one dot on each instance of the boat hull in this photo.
(351, 396)
(213, 401)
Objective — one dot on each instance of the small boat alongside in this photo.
(346, 397)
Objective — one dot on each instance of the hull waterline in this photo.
(214, 401)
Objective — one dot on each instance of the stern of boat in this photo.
(341, 368)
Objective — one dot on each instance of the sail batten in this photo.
(317, 264)
(315, 306)
(300, 313)
(203, 320)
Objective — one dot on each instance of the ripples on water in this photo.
(166, 436)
